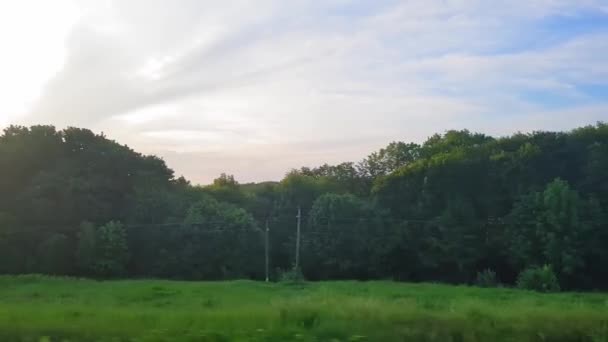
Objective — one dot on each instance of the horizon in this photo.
(255, 90)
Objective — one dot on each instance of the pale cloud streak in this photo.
(254, 88)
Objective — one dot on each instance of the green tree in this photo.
(86, 250)
(103, 251)
(344, 238)
(458, 203)
(547, 228)
(55, 255)
(226, 189)
(389, 159)
(216, 240)
(112, 251)
(13, 260)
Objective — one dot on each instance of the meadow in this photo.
(39, 308)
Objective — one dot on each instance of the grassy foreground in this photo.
(35, 308)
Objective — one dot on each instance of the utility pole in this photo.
(298, 239)
(266, 248)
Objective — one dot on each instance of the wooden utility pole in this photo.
(297, 265)
(266, 248)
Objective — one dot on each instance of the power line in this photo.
(24, 228)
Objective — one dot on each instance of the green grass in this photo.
(36, 308)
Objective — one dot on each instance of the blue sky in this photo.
(256, 88)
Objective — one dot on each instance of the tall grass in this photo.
(36, 308)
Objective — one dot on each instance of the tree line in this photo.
(73, 202)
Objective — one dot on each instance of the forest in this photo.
(76, 203)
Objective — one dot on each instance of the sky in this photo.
(255, 88)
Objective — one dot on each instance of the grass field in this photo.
(35, 308)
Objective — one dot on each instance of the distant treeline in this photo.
(75, 203)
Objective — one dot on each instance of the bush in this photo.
(292, 276)
(103, 251)
(487, 278)
(541, 279)
(112, 250)
(85, 251)
(55, 256)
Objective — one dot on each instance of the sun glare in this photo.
(32, 36)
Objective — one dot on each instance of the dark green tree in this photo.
(548, 228)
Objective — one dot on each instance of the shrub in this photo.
(294, 275)
(487, 278)
(55, 256)
(112, 250)
(85, 252)
(103, 251)
(541, 279)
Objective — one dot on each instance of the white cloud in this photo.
(32, 51)
(255, 88)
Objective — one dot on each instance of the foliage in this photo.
(541, 279)
(343, 238)
(86, 249)
(390, 158)
(213, 242)
(111, 251)
(225, 188)
(102, 251)
(54, 254)
(548, 227)
(442, 210)
(293, 276)
(487, 278)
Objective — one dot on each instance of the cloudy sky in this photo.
(254, 88)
